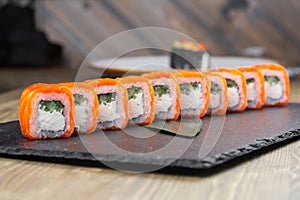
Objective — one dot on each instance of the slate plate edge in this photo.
(205, 163)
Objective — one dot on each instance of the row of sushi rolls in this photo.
(59, 110)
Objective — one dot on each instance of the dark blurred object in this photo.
(20, 43)
(233, 6)
(189, 55)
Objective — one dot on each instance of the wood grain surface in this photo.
(227, 29)
(274, 175)
(20, 76)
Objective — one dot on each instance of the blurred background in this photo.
(47, 40)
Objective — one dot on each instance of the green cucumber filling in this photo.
(250, 80)
(107, 98)
(51, 106)
(214, 88)
(133, 91)
(78, 99)
(273, 80)
(160, 90)
(232, 84)
(186, 88)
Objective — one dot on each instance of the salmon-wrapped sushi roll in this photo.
(167, 94)
(46, 111)
(113, 103)
(236, 86)
(277, 84)
(218, 101)
(140, 99)
(85, 105)
(194, 93)
(255, 87)
(27, 92)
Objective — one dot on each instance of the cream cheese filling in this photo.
(162, 103)
(193, 100)
(233, 97)
(81, 115)
(273, 91)
(136, 106)
(50, 121)
(214, 101)
(108, 111)
(251, 94)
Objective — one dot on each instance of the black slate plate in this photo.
(139, 149)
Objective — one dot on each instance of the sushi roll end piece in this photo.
(276, 84)
(46, 112)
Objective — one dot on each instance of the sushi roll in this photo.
(140, 99)
(255, 87)
(218, 101)
(27, 92)
(194, 93)
(85, 105)
(113, 103)
(167, 94)
(46, 111)
(277, 84)
(189, 55)
(236, 87)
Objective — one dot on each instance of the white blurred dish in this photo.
(141, 64)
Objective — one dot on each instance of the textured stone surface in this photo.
(241, 134)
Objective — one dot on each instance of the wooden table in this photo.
(275, 175)
(20, 77)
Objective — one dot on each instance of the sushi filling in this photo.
(163, 100)
(233, 93)
(50, 117)
(273, 87)
(135, 101)
(191, 96)
(215, 97)
(81, 111)
(251, 92)
(107, 107)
